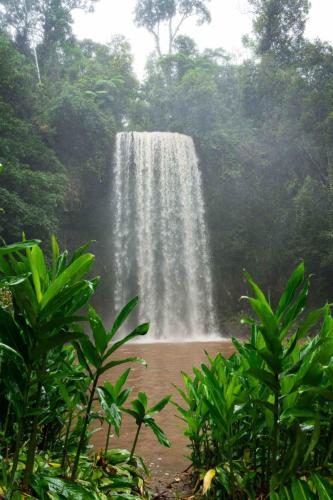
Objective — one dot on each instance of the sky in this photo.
(231, 19)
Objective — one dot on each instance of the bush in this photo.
(260, 422)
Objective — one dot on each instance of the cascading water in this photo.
(160, 243)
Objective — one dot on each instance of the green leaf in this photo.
(80, 251)
(269, 329)
(298, 412)
(122, 316)
(314, 438)
(56, 340)
(310, 321)
(90, 352)
(16, 247)
(8, 281)
(123, 396)
(160, 405)
(272, 361)
(142, 397)
(55, 255)
(139, 330)
(71, 274)
(37, 269)
(259, 294)
(121, 380)
(285, 493)
(57, 323)
(295, 309)
(162, 439)
(10, 350)
(324, 489)
(139, 409)
(300, 490)
(112, 364)
(294, 282)
(99, 332)
(264, 376)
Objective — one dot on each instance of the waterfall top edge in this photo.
(155, 133)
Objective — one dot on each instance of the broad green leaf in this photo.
(112, 364)
(123, 396)
(160, 405)
(81, 250)
(139, 408)
(294, 282)
(285, 493)
(259, 294)
(99, 332)
(10, 334)
(10, 350)
(300, 490)
(327, 326)
(162, 439)
(9, 281)
(298, 412)
(265, 377)
(55, 255)
(295, 309)
(50, 343)
(69, 300)
(121, 380)
(111, 411)
(58, 323)
(265, 404)
(139, 330)
(122, 316)
(142, 397)
(314, 438)
(273, 362)
(310, 321)
(71, 274)
(269, 329)
(90, 352)
(15, 247)
(324, 489)
(35, 269)
(82, 359)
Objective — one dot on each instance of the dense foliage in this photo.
(49, 380)
(260, 422)
(263, 131)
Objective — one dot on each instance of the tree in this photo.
(279, 26)
(154, 14)
(39, 22)
(32, 183)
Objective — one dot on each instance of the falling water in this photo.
(159, 239)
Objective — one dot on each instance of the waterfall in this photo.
(160, 244)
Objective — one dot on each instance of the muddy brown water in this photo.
(165, 363)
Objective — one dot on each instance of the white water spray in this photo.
(160, 243)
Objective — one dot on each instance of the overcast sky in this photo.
(231, 19)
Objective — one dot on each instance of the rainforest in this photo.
(166, 249)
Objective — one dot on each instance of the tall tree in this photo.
(154, 15)
(279, 26)
(39, 22)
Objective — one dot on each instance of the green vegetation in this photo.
(50, 369)
(260, 422)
